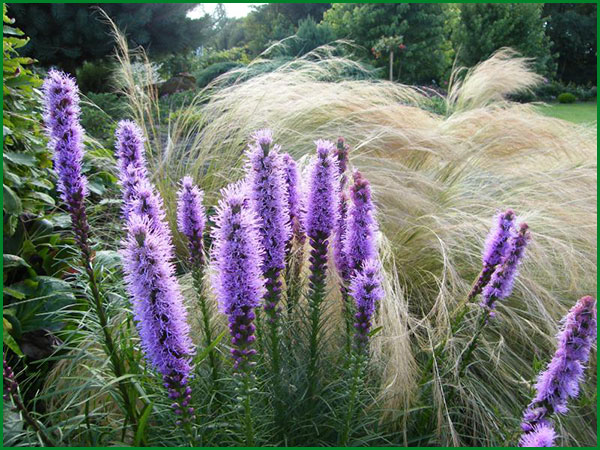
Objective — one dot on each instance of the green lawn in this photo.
(574, 112)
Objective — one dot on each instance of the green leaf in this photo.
(107, 259)
(8, 340)
(202, 356)
(44, 198)
(11, 261)
(12, 203)
(375, 331)
(139, 433)
(13, 293)
(22, 159)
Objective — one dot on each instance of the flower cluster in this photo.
(160, 316)
(339, 256)
(191, 218)
(496, 246)
(366, 290)
(502, 280)
(131, 161)
(61, 116)
(560, 381)
(238, 282)
(294, 198)
(360, 242)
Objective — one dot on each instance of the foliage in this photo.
(566, 97)
(572, 29)
(423, 27)
(234, 54)
(68, 34)
(205, 76)
(483, 28)
(100, 114)
(309, 36)
(95, 76)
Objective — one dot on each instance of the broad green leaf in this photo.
(12, 261)
(22, 159)
(139, 433)
(12, 203)
(8, 340)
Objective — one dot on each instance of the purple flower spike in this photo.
(238, 282)
(341, 154)
(157, 304)
(366, 290)
(560, 381)
(496, 247)
(131, 161)
(541, 436)
(323, 198)
(191, 218)
(501, 282)
(61, 116)
(360, 238)
(339, 255)
(295, 206)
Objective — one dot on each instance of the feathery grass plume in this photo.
(560, 381)
(496, 246)
(61, 116)
(542, 435)
(321, 217)
(502, 280)
(238, 284)
(160, 316)
(341, 154)
(131, 161)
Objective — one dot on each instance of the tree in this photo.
(309, 36)
(572, 29)
(68, 34)
(426, 55)
(483, 28)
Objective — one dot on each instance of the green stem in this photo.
(358, 358)
(249, 427)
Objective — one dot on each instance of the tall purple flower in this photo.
(191, 218)
(560, 381)
(294, 198)
(360, 238)
(160, 315)
(268, 199)
(321, 216)
(131, 161)
(541, 436)
(61, 116)
(366, 290)
(339, 256)
(501, 282)
(238, 283)
(496, 246)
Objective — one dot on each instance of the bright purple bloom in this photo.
(501, 282)
(267, 193)
(366, 290)
(191, 217)
(360, 237)
(560, 381)
(541, 436)
(131, 160)
(294, 198)
(158, 305)
(61, 116)
(238, 282)
(323, 198)
(496, 247)
(339, 255)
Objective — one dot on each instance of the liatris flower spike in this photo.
(560, 381)
(160, 315)
(360, 238)
(191, 218)
(61, 116)
(541, 436)
(366, 291)
(268, 199)
(502, 280)
(339, 257)
(131, 161)
(238, 282)
(496, 246)
(295, 206)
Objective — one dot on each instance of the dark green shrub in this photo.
(95, 76)
(566, 97)
(211, 72)
(100, 114)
